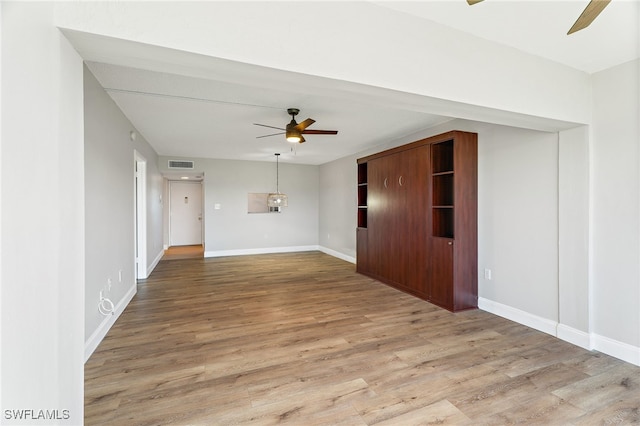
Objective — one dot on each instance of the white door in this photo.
(185, 213)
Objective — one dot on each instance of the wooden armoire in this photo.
(417, 219)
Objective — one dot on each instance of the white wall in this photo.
(109, 211)
(231, 230)
(42, 277)
(338, 201)
(518, 219)
(615, 191)
(573, 236)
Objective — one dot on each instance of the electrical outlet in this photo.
(487, 274)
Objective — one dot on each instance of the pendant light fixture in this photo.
(276, 199)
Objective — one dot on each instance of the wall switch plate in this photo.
(487, 274)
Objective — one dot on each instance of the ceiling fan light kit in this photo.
(589, 14)
(293, 136)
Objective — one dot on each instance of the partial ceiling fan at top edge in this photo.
(588, 15)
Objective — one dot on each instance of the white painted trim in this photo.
(589, 341)
(140, 214)
(96, 337)
(620, 350)
(337, 254)
(268, 250)
(574, 336)
(155, 262)
(519, 316)
(265, 250)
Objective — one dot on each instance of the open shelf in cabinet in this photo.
(442, 157)
(442, 218)
(442, 189)
(362, 195)
(362, 217)
(362, 174)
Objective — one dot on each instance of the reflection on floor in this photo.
(183, 252)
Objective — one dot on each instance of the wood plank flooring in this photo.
(302, 339)
(183, 252)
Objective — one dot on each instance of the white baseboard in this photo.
(265, 250)
(337, 254)
(155, 262)
(574, 336)
(269, 250)
(96, 337)
(589, 341)
(620, 350)
(517, 315)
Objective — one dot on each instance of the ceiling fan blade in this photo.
(472, 2)
(273, 134)
(590, 13)
(303, 125)
(271, 127)
(319, 132)
(301, 139)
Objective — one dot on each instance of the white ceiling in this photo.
(199, 117)
(186, 115)
(540, 27)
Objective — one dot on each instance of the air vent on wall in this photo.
(180, 164)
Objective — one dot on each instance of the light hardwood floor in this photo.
(303, 339)
(183, 252)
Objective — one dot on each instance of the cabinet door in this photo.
(410, 219)
(440, 286)
(362, 256)
(378, 212)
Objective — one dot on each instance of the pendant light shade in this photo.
(277, 199)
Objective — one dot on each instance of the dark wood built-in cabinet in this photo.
(417, 219)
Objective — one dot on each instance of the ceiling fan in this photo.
(294, 131)
(589, 14)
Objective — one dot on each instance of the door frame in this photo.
(140, 215)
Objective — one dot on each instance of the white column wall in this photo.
(573, 239)
(42, 277)
(615, 191)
